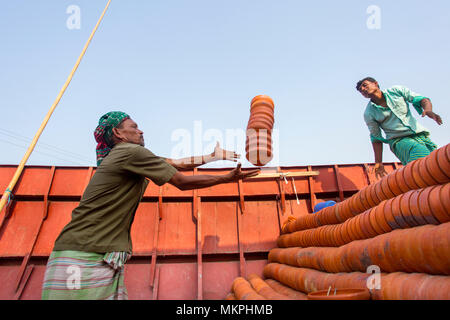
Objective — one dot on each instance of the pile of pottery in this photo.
(258, 145)
(398, 227)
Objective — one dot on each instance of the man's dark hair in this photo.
(358, 85)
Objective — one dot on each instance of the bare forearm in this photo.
(204, 181)
(378, 151)
(426, 104)
(189, 162)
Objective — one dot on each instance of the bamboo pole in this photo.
(21, 166)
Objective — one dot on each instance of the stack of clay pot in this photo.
(258, 145)
(398, 227)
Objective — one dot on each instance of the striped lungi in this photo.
(78, 275)
(413, 147)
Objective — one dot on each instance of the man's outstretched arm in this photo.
(184, 182)
(196, 161)
(428, 111)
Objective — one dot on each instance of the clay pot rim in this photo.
(262, 98)
(341, 294)
(443, 161)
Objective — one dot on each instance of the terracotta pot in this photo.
(368, 194)
(414, 207)
(440, 240)
(406, 211)
(341, 294)
(425, 250)
(425, 174)
(381, 219)
(338, 235)
(436, 205)
(262, 97)
(379, 192)
(392, 183)
(261, 116)
(349, 225)
(259, 124)
(263, 113)
(443, 158)
(445, 197)
(409, 179)
(358, 228)
(389, 216)
(344, 232)
(398, 251)
(345, 211)
(434, 168)
(400, 179)
(418, 179)
(385, 188)
(255, 144)
(429, 249)
(410, 253)
(262, 106)
(363, 199)
(424, 206)
(374, 223)
(397, 213)
(368, 225)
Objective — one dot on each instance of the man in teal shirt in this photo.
(389, 110)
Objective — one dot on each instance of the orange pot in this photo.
(340, 294)
(358, 228)
(389, 216)
(368, 225)
(436, 205)
(259, 124)
(445, 197)
(369, 196)
(397, 213)
(443, 159)
(406, 211)
(414, 207)
(400, 179)
(429, 249)
(262, 110)
(363, 199)
(374, 223)
(379, 192)
(424, 206)
(381, 219)
(409, 179)
(418, 179)
(261, 107)
(425, 174)
(338, 235)
(385, 188)
(262, 98)
(392, 184)
(434, 168)
(344, 232)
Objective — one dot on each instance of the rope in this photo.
(7, 194)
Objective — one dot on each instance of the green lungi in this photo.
(77, 275)
(412, 147)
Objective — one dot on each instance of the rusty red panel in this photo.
(260, 226)
(143, 228)
(219, 227)
(59, 214)
(177, 281)
(20, 229)
(70, 181)
(177, 229)
(34, 181)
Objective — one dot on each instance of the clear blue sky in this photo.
(170, 64)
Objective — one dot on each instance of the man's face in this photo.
(129, 132)
(368, 88)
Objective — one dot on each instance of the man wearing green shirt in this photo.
(88, 258)
(389, 110)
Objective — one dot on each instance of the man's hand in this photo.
(433, 116)
(221, 154)
(237, 174)
(379, 171)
